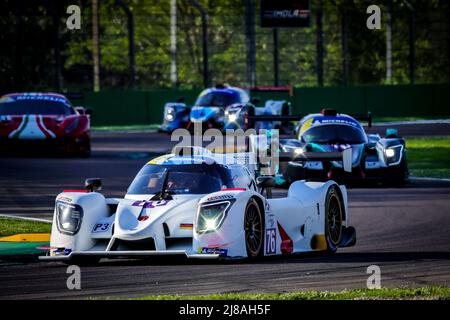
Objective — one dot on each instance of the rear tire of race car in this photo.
(334, 210)
(253, 230)
(400, 177)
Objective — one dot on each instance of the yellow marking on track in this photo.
(27, 237)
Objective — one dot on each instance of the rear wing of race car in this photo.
(364, 117)
(260, 145)
(360, 117)
(74, 95)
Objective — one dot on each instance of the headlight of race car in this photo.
(296, 150)
(68, 217)
(231, 115)
(393, 155)
(210, 217)
(169, 113)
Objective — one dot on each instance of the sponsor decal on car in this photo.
(313, 165)
(159, 160)
(61, 252)
(334, 120)
(64, 199)
(271, 241)
(101, 227)
(43, 98)
(373, 165)
(150, 204)
(219, 251)
(221, 197)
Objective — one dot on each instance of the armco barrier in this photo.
(146, 107)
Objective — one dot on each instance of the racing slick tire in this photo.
(399, 178)
(334, 211)
(253, 229)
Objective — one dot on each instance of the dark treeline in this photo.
(39, 52)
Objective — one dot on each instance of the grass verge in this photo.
(139, 127)
(427, 293)
(429, 157)
(11, 226)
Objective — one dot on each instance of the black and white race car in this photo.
(203, 205)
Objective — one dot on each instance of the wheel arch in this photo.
(260, 203)
(341, 197)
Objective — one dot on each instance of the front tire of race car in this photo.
(253, 227)
(334, 210)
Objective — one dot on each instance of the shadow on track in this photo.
(303, 258)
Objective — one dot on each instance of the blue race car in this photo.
(373, 158)
(223, 107)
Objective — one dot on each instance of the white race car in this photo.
(199, 206)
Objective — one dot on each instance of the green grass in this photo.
(434, 292)
(10, 226)
(137, 127)
(429, 157)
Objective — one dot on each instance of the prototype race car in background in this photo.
(223, 107)
(43, 121)
(374, 158)
(199, 206)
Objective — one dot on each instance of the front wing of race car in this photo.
(129, 255)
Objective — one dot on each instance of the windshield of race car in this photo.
(39, 105)
(181, 179)
(334, 133)
(217, 99)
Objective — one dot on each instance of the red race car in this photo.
(44, 121)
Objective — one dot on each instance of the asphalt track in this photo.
(406, 232)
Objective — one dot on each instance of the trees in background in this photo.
(35, 56)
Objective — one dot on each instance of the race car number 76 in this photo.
(271, 241)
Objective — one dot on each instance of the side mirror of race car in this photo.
(255, 101)
(84, 111)
(93, 184)
(266, 182)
